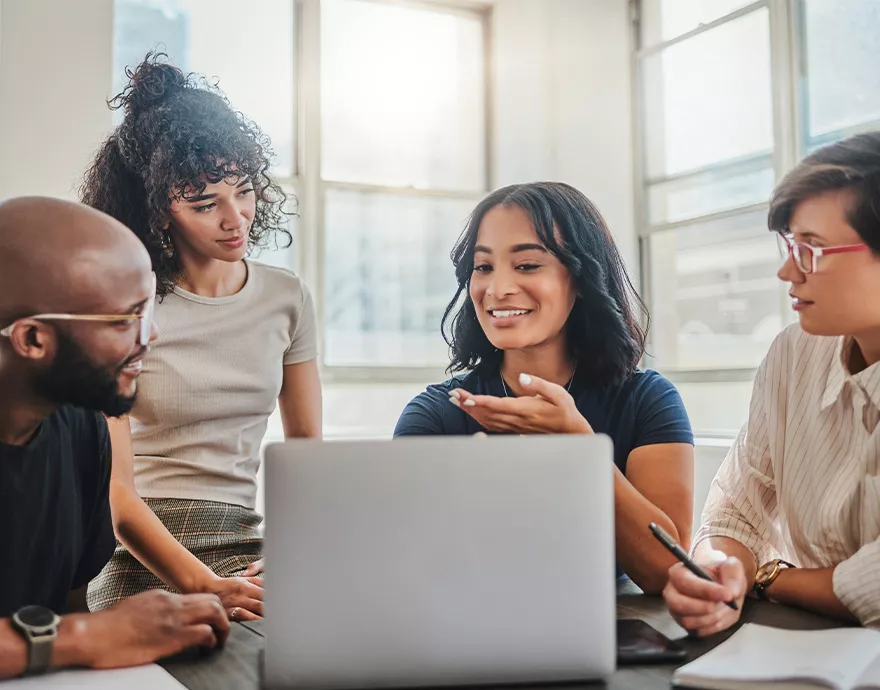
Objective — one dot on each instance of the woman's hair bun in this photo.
(149, 84)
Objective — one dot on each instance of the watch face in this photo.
(36, 616)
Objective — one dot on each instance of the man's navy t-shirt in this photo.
(642, 410)
(55, 511)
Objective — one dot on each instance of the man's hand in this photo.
(150, 626)
(699, 606)
(549, 410)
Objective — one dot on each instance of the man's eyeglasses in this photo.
(805, 256)
(144, 318)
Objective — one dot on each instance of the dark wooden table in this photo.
(237, 667)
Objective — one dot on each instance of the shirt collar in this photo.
(868, 379)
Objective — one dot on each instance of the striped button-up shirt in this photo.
(801, 482)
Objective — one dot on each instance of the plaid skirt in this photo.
(223, 536)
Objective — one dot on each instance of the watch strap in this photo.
(760, 590)
(40, 649)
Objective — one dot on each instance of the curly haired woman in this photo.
(189, 175)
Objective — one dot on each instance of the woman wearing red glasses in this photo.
(794, 513)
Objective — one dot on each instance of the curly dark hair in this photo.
(179, 133)
(605, 336)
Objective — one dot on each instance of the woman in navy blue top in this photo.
(544, 325)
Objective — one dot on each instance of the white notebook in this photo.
(756, 655)
(149, 677)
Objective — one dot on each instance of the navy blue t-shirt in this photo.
(642, 410)
(55, 511)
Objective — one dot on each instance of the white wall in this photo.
(562, 102)
(55, 75)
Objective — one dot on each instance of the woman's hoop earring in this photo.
(167, 245)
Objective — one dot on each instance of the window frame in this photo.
(786, 40)
(790, 94)
(311, 188)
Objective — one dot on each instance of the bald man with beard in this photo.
(76, 303)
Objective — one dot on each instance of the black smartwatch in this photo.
(39, 626)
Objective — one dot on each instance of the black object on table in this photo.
(639, 642)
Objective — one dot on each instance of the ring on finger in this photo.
(234, 613)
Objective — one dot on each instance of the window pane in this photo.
(221, 39)
(744, 184)
(708, 99)
(403, 96)
(281, 256)
(717, 408)
(276, 254)
(716, 300)
(663, 20)
(842, 54)
(388, 277)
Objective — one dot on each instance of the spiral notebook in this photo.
(760, 656)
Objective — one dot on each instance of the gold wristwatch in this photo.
(767, 574)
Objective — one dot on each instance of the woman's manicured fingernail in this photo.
(469, 403)
(525, 380)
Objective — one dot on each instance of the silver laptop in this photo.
(439, 561)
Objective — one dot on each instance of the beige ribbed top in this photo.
(210, 383)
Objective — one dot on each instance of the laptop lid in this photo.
(439, 561)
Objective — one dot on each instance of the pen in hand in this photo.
(667, 541)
